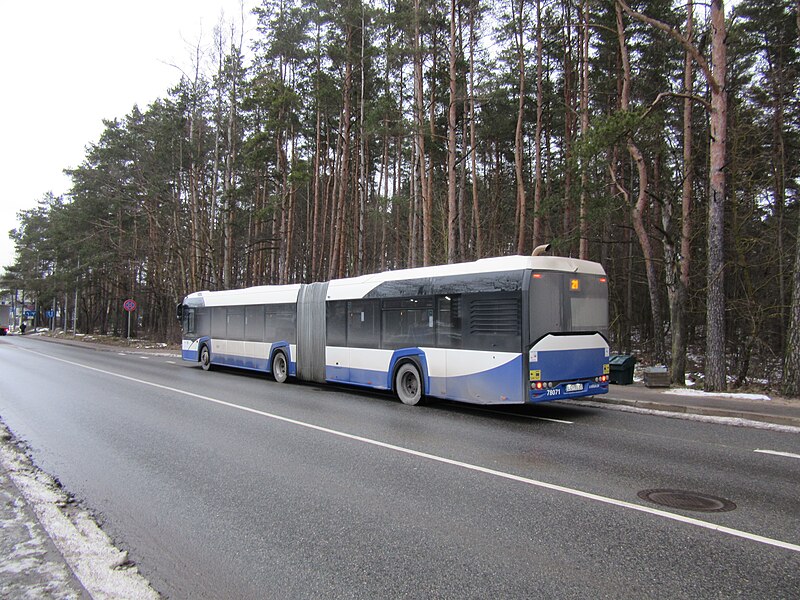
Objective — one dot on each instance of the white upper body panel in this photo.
(358, 287)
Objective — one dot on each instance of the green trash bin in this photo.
(621, 368)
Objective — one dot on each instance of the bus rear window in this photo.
(562, 302)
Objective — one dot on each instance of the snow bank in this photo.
(699, 393)
(734, 421)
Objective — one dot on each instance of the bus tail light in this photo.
(542, 385)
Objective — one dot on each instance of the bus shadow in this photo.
(542, 412)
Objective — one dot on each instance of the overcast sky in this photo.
(69, 64)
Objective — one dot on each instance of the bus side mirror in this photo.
(179, 312)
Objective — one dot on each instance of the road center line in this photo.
(777, 453)
(448, 461)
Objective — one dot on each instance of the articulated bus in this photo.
(502, 330)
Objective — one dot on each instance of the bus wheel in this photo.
(408, 384)
(205, 359)
(280, 368)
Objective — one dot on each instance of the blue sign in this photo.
(30, 313)
(49, 314)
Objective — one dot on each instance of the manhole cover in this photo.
(687, 500)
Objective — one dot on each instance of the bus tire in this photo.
(408, 384)
(280, 367)
(205, 358)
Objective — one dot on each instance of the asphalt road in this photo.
(229, 485)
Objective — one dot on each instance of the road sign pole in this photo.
(129, 324)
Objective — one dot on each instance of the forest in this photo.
(659, 138)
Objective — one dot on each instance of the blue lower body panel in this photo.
(502, 384)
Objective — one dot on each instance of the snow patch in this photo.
(700, 393)
(733, 421)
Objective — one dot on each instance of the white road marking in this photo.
(171, 362)
(455, 463)
(144, 357)
(778, 453)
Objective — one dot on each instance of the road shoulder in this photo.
(52, 548)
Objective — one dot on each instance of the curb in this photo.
(700, 410)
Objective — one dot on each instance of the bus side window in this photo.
(336, 317)
(254, 323)
(219, 322)
(448, 322)
(282, 323)
(408, 323)
(363, 324)
(235, 329)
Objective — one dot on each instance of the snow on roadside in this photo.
(733, 421)
(102, 569)
(27, 568)
(700, 393)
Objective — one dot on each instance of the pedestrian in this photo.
(22, 327)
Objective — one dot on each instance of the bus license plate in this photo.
(574, 387)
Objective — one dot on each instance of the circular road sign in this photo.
(129, 305)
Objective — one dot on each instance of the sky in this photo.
(67, 65)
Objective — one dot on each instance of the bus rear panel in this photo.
(568, 356)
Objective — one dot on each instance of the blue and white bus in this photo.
(503, 330)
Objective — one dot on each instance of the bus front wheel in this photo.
(280, 368)
(408, 384)
(205, 359)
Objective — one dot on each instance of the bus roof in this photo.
(357, 287)
(262, 294)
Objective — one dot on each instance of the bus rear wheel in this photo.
(408, 384)
(280, 368)
(205, 359)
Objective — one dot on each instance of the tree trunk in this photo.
(568, 120)
(791, 361)
(537, 190)
(476, 215)
(427, 201)
(715, 368)
(363, 176)
(583, 251)
(315, 239)
(678, 305)
(452, 199)
(519, 150)
(337, 269)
